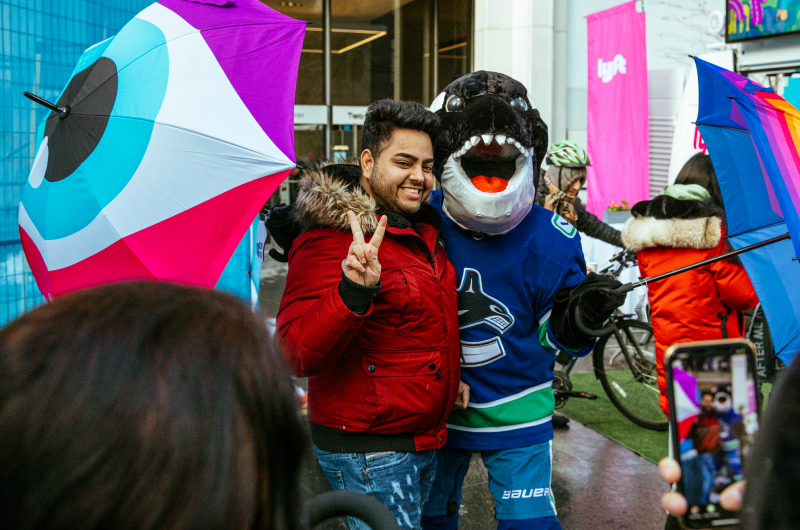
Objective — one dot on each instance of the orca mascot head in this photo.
(489, 151)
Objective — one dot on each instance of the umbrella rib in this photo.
(754, 229)
(191, 131)
(721, 126)
(787, 344)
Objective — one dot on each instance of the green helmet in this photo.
(568, 154)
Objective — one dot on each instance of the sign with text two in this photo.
(618, 119)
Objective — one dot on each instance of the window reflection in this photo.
(379, 49)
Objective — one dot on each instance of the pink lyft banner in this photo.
(618, 118)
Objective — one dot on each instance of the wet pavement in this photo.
(597, 483)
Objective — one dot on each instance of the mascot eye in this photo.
(454, 104)
(519, 105)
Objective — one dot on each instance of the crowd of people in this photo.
(426, 323)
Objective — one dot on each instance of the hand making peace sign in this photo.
(362, 265)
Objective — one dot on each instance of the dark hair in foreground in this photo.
(699, 170)
(773, 470)
(146, 405)
(386, 115)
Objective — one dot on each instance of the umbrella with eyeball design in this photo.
(166, 142)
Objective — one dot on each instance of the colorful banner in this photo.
(618, 120)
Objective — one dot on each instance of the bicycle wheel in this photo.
(625, 363)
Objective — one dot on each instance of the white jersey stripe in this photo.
(509, 399)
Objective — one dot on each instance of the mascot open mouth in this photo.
(490, 161)
(488, 151)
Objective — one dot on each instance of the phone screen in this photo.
(714, 420)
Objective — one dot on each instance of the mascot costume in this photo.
(522, 279)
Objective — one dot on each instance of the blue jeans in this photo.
(519, 480)
(401, 481)
(708, 470)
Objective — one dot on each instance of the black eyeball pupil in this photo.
(519, 104)
(454, 104)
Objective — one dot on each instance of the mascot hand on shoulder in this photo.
(487, 158)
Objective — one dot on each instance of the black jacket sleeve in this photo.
(283, 229)
(590, 225)
(542, 191)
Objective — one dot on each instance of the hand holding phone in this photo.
(675, 504)
(714, 408)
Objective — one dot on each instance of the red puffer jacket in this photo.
(695, 305)
(395, 369)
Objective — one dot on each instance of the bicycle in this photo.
(625, 366)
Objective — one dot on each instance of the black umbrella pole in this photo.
(644, 281)
(45, 103)
(628, 287)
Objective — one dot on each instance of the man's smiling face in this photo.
(401, 178)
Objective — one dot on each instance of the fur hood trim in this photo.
(648, 232)
(326, 194)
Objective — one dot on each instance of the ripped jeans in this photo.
(401, 481)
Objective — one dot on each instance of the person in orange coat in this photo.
(682, 226)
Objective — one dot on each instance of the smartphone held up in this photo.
(714, 407)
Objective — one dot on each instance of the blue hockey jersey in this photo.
(505, 294)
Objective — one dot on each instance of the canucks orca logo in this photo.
(476, 307)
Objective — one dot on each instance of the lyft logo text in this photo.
(607, 70)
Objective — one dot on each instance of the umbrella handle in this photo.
(592, 332)
(62, 111)
(348, 503)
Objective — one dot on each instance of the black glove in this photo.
(596, 300)
(282, 227)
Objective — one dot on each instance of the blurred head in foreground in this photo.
(146, 405)
(773, 470)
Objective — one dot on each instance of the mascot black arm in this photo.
(596, 300)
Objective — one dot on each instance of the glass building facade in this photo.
(398, 49)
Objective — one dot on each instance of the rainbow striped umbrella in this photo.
(166, 142)
(753, 137)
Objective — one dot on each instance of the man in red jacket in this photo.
(378, 340)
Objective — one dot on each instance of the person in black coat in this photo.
(558, 191)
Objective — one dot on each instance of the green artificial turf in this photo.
(601, 416)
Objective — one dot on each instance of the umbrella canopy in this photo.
(687, 399)
(171, 137)
(753, 137)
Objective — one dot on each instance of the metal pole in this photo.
(644, 281)
(326, 52)
(628, 287)
(435, 50)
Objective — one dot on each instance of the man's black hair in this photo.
(386, 115)
(706, 393)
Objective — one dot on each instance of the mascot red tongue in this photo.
(520, 270)
(489, 184)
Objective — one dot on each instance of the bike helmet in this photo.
(567, 154)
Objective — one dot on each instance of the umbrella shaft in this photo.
(644, 281)
(43, 102)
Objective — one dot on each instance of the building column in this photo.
(519, 38)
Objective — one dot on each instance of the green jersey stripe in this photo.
(529, 407)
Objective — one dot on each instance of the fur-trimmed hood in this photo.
(328, 191)
(669, 222)
(325, 195)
